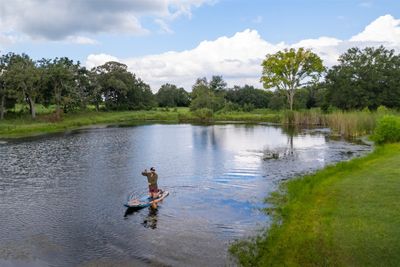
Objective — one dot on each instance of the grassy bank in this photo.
(344, 215)
(23, 125)
(348, 124)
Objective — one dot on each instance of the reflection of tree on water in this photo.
(282, 152)
(151, 220)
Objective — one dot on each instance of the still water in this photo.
(61, 196)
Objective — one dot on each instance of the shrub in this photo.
(229, 107)
(382, 110)
(203, 114)
(247, 107)
(387, 130)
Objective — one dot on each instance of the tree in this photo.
(365, 78)
(114, 79)
(290, 70)
(60, 79)
(121, 89)
(217, 84)
(169, 95)
(94, 89)
(23, 75)
(204, 97)
(4, 60)
(249, 95)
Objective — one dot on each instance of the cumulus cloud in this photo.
(81, 40)
(99, 59)
(384, 29)
(63, 19)
(238, 58)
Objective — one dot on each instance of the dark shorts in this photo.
(153, 188)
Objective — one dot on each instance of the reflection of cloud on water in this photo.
(307, 141)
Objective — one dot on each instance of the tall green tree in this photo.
(169, 95)
(365, 78)
(291, 69)
(94, 89)
(114, 78)
(249, 95)
(61, 80)
(121, 89)
(217, 84)
(4, 60)
(23, 75)
(203, 96)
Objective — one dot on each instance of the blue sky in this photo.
(138, 32)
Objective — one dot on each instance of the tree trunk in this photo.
(58, 103)
(58, 111)
(32, 107)
(2, 109)
(291, 98)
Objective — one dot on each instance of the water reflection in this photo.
(149, 221)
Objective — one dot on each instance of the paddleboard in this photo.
(145, 201)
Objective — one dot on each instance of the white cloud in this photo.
(99, 59)
(60, 19)
(238, 58)
(164, 28)
(81, 40)
(384, 29)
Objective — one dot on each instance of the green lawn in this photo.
(345, 215)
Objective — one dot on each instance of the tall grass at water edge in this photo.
(343, 123)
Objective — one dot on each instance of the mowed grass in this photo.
(344, 215)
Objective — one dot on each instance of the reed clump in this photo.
(342, 123)
(311, 117)
(352, 123)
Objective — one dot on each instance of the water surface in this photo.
(61, 196)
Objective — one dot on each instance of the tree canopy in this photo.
(365, 78)
(291, 69)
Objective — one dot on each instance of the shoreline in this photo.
(26, 127)
(337, 216)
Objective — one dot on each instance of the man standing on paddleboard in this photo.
(152, 178)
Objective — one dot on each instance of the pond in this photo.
(61, 196)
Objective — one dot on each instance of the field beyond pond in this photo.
(344, 215)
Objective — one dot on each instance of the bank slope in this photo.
(344, 215)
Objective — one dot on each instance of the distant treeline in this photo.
(366, 78)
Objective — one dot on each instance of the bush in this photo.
(203, 114)
(230, 106)
(247, 107)
(382, 110)
(387, 130)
